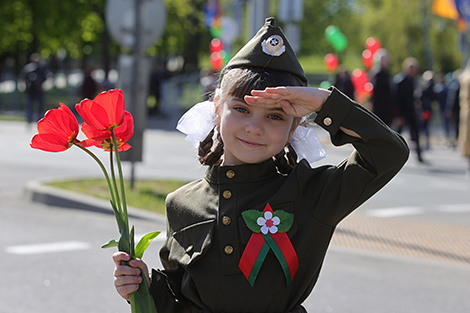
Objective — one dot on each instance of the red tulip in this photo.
(57, 130)
(104, 140)
(105, 112)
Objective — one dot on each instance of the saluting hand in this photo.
(295, 101)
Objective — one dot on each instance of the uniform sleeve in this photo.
(333, 192)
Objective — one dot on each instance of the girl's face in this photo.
(252, 134)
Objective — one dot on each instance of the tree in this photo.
(401, 27)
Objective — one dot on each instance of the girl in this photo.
(252, 234)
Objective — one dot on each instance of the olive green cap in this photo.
(269, 49)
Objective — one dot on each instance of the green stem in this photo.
(103, 168)
(121, 178)
(113, 176)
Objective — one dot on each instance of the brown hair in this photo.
(239, 82)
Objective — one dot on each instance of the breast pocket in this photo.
(190, 243)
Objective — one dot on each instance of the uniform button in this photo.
(226, 220)
(230, 174)
(327, 121)
(228, 249)
(227, 194)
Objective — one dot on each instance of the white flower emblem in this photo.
(268, 223)
(274, 45)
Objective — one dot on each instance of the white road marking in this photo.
(454, 208)
(397, 211)
(448, 185)
(48, 247)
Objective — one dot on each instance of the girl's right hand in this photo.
(127, 278)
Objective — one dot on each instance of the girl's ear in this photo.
(295, 124)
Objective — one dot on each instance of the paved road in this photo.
(52, 261)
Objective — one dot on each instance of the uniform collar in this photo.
(241, 173)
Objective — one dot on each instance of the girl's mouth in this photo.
(251, 144)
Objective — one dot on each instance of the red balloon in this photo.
(373, 44)
(217, 61)
(367, 59)
(216, 45)
(332, 62)
(359, 78)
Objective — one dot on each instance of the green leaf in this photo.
(144, 243)
(131, 242)
(110, 244)
(119, 219)
(141, 300)
(250, 217)
(286, 220)
(124, 243)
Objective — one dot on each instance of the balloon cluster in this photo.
(218, 56)
(339, 42)
(372, 46)
(362, 86)
(359, 77)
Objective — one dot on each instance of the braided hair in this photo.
(239, 82)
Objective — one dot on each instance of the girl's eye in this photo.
(241, 109)
(275, 117)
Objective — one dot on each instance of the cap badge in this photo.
(274, 45)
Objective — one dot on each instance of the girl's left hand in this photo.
(295, 101)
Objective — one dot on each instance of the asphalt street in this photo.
(405, 250)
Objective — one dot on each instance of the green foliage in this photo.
(404, 27)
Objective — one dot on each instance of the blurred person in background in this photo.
(405, 101)
(344, 82)
(452, 109)
(89, 86)
(34, 74)
(464, 128)
(441, 90)
(426, 96)
(382, 104)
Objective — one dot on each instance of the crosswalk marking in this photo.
(62, 246)
(398, 211)
(417, 210)
(454, 208)
(48, 247)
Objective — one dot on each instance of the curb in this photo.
(38, 191)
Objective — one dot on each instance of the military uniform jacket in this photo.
(207, 234)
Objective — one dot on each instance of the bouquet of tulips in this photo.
(107, 125)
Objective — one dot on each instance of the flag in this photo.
(445, 8)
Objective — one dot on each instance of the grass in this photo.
(12, 117)
(147, 194)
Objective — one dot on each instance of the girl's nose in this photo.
(254, 126)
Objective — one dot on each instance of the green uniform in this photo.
(207, 234)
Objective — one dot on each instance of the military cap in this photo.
(269, 49)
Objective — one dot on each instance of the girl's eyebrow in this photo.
(273, 109)
(239, 99)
